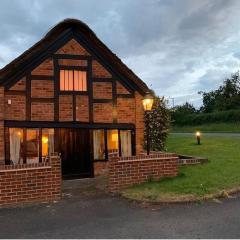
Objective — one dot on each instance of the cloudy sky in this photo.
(178, 47)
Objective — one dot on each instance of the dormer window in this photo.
(73, 80)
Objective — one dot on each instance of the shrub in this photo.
(159, 124)
(205, 118)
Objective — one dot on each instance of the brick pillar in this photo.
(113, 159)
(55, 162)
(2, 146)
(139, 123)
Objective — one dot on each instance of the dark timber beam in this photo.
(51, 124)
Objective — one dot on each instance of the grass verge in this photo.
(195, 182)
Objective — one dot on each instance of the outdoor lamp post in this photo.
(147, 106)
(198, 136)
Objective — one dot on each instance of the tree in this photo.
(181, 111)
(226, 97)
(159, 123)
(186, 108)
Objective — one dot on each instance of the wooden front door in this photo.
(74, 146)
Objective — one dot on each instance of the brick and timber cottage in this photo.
(68, 94)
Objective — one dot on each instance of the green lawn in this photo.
(222, 172)
(212, 127)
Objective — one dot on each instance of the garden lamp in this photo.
(198, 136)
(147, 106)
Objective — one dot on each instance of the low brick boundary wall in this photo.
(28, 183)
(127, 171)
(100, 168)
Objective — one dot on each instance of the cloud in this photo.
(177, 47)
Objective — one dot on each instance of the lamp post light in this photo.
(147, 106)
(198, 136)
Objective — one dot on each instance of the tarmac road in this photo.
(98, 215)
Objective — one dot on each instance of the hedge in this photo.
(205, 118)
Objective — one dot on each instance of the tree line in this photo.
(217, 105)
(221, 105)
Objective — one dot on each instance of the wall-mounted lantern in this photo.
(147, 102)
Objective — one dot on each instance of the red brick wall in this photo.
(45, 68)
(102, 90)
(2, 142)
(30, 182)
(121, 89)
(72, 62)
(126, 110)
(139, 124)
(42, 111)
(100, 168)
(20, 85)
(82, 109)
(103, 112)
(42, 89)
(17, 109)
(124, 172)
(99, 70)
(65, 108)
(73, 47)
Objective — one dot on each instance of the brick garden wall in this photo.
(100, 168)
(30, 182)
(124, 172)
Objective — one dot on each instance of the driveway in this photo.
(93, 214)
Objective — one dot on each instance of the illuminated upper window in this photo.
(73, 80)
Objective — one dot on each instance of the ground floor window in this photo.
(112, 140)
(47, 142)
(30, 145)
(99, 144)
(126, 143)
(33, 145)
(109, 140)
(16, 140)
